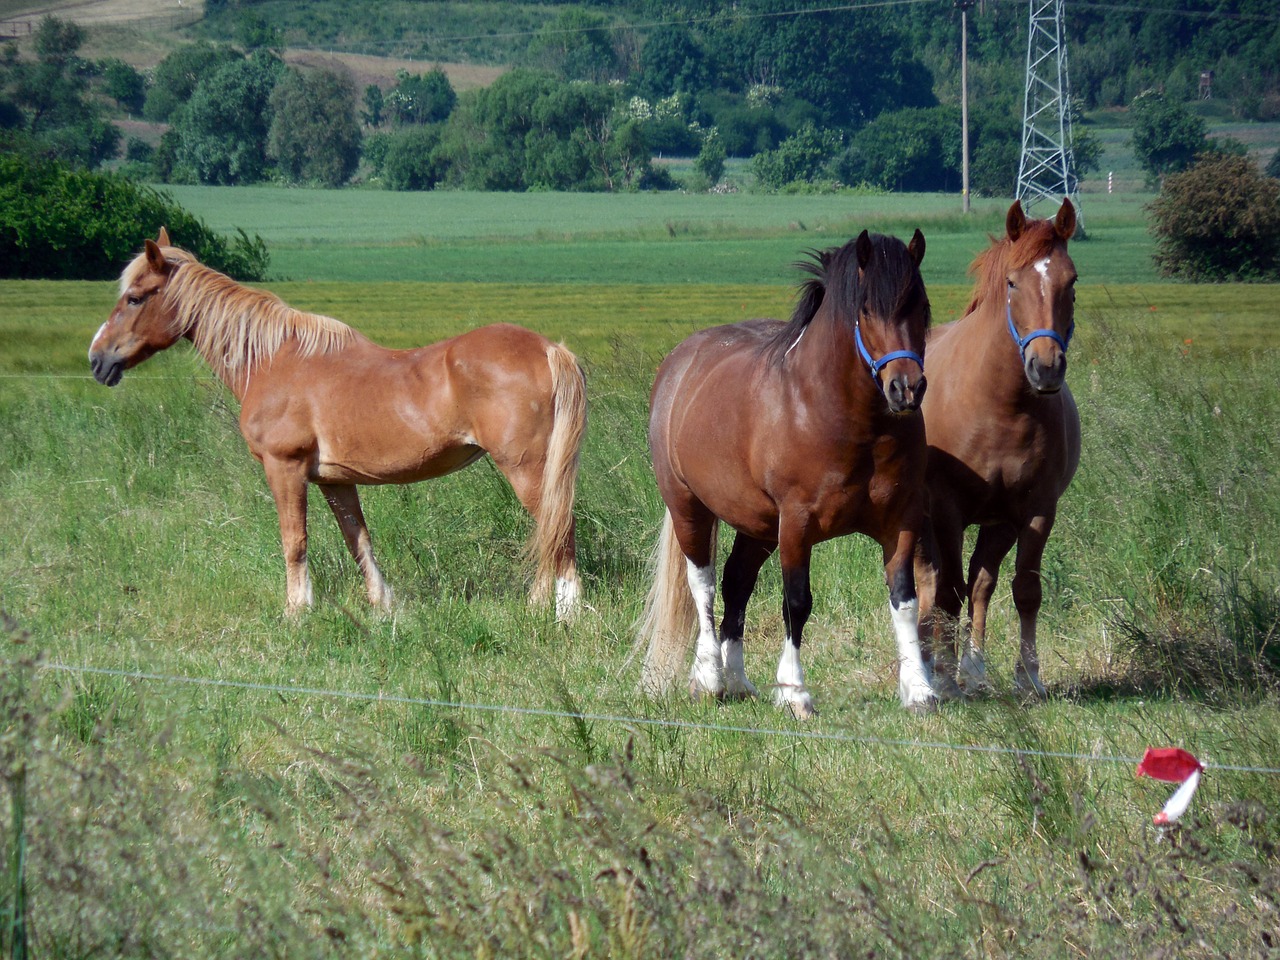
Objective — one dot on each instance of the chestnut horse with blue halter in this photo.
(320, 403)
(792, 434)
(1004, 438)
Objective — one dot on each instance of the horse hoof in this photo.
(804, 710)
(699, 692)
(923, 708)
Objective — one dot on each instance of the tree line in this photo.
(865, 96)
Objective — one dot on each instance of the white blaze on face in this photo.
(1042, 268)
(97, 336)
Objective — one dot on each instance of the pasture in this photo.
(466, 777)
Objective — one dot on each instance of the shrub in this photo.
(1218, 220)
(803, 156)
(63, 224)
(410, 160)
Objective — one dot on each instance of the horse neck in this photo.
(828, 354)
(992, 356)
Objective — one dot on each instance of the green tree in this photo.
(913, 149)
(530, 130)
(1166, 135)
(373, 105)
(425, 98)
(671, 61)
(314, 135)
(802, 157)
(1218, 220)
(222, 132)
(60, 223)
(46, 102)
(124, 84)
(176, 77)
(710, 159)
(576, 46)
(411, 160)
(850, 64)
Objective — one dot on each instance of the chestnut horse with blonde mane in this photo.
(322, 404)
(1004, 439)
(791, 433)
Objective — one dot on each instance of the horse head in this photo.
(142, 322)
(895, 312)
(1041, 294)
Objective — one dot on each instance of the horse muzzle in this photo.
(904, 394)
(108, 368)
(1046, 378)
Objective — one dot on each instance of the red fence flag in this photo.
(1173, 765)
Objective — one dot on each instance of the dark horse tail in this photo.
(553, 547)
(669, 621)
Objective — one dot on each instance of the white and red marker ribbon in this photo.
(1172, 765)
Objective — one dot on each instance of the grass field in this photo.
(376, 235)
(163, 818)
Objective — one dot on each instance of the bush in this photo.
(802, 157)
(1218, 220)
(63, 224)
(410, 160)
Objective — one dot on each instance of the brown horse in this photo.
(319, 403)
(791, 433)
(1004, 436)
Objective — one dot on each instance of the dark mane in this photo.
(892, 284)
(992, 266)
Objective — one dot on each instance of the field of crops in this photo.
(202, 776)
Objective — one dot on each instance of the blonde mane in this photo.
(234, 327)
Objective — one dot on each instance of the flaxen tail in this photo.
(669, 622)
(553, 546)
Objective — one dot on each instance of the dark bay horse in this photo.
(1004, 436)
(320, 403)
(791, 433)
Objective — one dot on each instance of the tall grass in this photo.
(166, 819)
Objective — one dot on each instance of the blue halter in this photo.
(1051, 334)
(878, 365)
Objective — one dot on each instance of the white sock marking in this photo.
(566, 597)
(914, 686)
(708, 669)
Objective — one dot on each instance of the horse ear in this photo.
(1064, 224)
(864, 249)
(155, 259)
(163, 239)
(1014, 221)
(916, 247)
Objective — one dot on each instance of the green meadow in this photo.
(190, 773)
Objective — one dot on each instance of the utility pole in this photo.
(1047, 168)
(964, 6)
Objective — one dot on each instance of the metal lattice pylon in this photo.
(1047, 169)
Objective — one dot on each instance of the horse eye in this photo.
(1012, 285)
(133, 301)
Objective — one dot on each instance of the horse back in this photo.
(369, 414)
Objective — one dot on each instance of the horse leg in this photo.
(941, 596)
(695, 529)
(915, 683)
(741, 571)
(344, 501)
(553, 561)
(993, 544)
(288, 482)
(1027, 594)
(797, 604)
